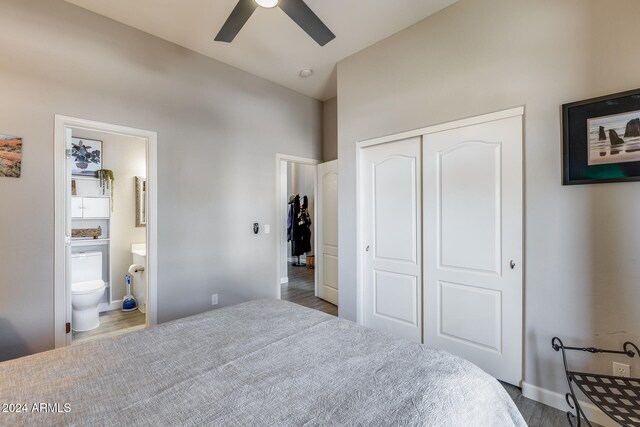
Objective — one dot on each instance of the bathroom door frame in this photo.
(62, 285)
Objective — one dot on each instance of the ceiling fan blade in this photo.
(307, 20)
(240, 15)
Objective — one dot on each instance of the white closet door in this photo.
(327, 214)
(473, 245)
(391, 179)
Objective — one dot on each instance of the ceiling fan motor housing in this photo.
(297, 10)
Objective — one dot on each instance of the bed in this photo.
(262, 363)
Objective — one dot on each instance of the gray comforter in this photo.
(262, 363)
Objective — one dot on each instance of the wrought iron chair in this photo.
(617, 397)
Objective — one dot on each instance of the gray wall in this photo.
(218, 132)
(330, 129)
(582, 280)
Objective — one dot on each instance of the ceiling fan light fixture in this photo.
(267, 3)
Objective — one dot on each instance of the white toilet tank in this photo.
(86, 266)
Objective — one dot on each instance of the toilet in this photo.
(87, 289)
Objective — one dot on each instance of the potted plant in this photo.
(105, 176)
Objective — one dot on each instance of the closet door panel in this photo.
(394, 187)
(473, 244)
(472, 168)
(390, 188)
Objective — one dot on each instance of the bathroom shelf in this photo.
(91, 219)
(89, 242)
(91, 208)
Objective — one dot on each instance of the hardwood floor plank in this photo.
(301, 290)
(112, 323)
(536, 414)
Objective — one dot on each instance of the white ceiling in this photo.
(271, 45)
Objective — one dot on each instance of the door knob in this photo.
(512, 264)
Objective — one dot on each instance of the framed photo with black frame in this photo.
(601, 139)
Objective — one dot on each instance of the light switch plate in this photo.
(214, 299)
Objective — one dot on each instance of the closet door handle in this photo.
(512, 264)
(367, 248)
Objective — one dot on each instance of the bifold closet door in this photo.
(327, 238)
(391, 180)
(473, 244)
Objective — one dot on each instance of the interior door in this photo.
(473, 245)
(327, 259)
(391, 180)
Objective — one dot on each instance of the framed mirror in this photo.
(141, 201)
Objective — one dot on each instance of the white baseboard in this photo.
(284, 280)
(108, 307)
(557, 400)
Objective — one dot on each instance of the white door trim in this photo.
(60, 281)
(281, 212)
(421, 132)
(470, 121)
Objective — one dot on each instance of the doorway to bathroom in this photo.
(299, 223)
(105, 210)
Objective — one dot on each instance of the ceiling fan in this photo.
(296, 9)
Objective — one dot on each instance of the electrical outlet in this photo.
(621, 370)
(214, 299)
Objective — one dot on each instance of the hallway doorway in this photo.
(299, 221)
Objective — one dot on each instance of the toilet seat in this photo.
(82, 288)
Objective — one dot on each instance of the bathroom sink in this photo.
(139, 252)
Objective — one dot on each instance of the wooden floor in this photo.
(112, 323)
(301, 290)
(536, 414)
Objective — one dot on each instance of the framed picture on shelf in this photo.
(87, 156)
(601, 139)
